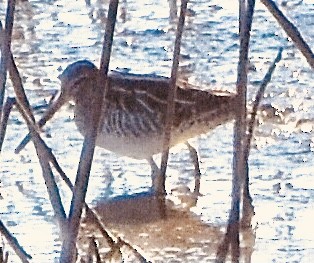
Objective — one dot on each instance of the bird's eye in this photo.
(77, 82)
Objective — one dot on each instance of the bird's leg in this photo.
(155, 174)
(197, 173)
(157, 185)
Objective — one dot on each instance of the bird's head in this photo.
(77, 76)
(76, 79)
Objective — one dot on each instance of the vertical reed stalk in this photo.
(6, 46)
(246, 9)
(171, 98)
(68, 253)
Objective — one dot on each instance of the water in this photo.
(49, 35)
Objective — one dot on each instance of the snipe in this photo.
(136, 108)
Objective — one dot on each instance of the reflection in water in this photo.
(181, 236)
(49, 35)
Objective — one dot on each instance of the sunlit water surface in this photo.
(49, 35)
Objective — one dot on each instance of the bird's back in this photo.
(135, 114)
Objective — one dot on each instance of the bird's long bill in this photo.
(54, 107)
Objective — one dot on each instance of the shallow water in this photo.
(49, 35)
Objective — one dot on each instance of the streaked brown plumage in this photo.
(136, 109)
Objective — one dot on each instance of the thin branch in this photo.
(46, 117)
(171, 98)
(93, 250)
(18, 249)
(248, 209)
(291, 31)
(258, 98)
(82, 177)
(21, 97)
(247, 206)
(8, 61)
(52, 188)
(246, 10)
(15, 77)
(140, 257)
(108, 38)
(105, 56)
(5, 47)
(5, 116)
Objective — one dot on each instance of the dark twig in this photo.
(82, 177)
(18, 249)
(6, 36)
(108, 39)
(5, 48)
(5, 116)
(96, 251)
(105, 56)
(113, 254)
(291, 31)
(16, 80)
(258, 98)
(140, 257)
(109, 237)
(53, 192)
(40, 124)
(246, 9)
(93, 250)
(248, 209)
(21, 97)
(171, 98)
